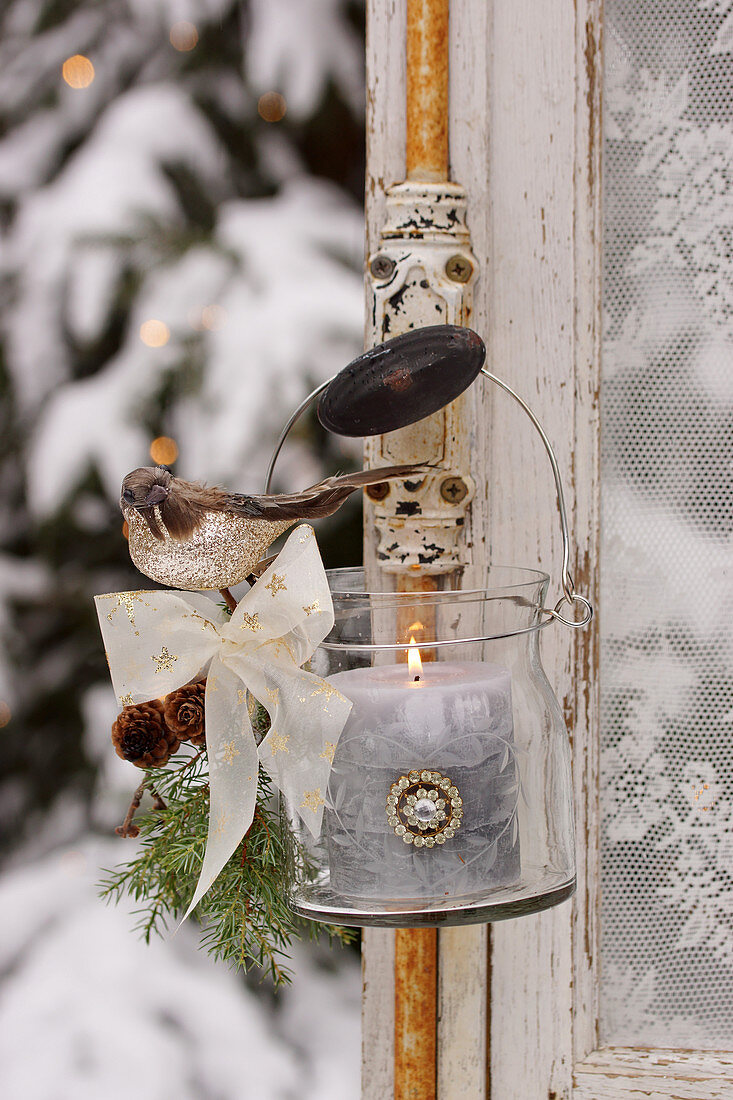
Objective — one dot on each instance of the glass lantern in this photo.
(450, 796)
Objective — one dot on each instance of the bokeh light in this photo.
(164, 450)
(78, 71)
(271, 106)
(126, 530)
(5, 714)
(213, 317)
(183, 36)
(154, 333)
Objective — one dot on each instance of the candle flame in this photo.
(414, 663)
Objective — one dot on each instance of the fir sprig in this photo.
(244, 917)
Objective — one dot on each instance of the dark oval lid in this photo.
(401, 381)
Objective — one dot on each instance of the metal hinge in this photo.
(423, 274)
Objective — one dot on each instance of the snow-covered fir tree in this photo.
(181, 252)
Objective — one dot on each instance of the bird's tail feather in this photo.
(322, 499)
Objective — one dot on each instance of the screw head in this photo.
(459, 268)
(453, 489)
(378, 491)
(381, 266)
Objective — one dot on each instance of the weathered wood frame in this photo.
(525, 143)
(518, 1012)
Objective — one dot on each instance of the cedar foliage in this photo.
(244, 917)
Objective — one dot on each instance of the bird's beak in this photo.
(157, 495)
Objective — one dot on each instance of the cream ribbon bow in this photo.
(158, 641)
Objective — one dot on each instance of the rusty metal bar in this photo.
(416, 949)
(411, 620)
(426, 152)
(426, 159)
(416, 1008)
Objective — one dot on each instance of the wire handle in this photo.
(290, 424)
(569, 596)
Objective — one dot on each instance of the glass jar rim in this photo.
(532, 577)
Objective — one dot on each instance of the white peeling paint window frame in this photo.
(525, 142)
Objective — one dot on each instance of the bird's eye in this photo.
(128, 496)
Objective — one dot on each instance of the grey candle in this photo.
(423, 793)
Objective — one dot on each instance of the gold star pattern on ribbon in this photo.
(312, 800)
(126, 700)
(221, 823)
(280, 645)
(127, 600)
(251, 622)
(205, 625)
(276, 584)
(324, 688)
(164, 660)
(328, 750)
(230, 751)
(273, 694)
(314, 607)
(279, 742)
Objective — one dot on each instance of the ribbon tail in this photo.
(299, 761)
(233, 765)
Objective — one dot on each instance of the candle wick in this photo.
(415, 679)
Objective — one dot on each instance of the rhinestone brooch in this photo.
(424, 808)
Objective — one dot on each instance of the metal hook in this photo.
(554, 613)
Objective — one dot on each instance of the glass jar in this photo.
(450, 794)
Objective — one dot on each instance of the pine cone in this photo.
(141, 736)
(184, 712)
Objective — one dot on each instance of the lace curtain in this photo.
(667, 598)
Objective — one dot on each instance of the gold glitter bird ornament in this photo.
(192, 536)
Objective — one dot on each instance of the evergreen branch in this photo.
(244, 917)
